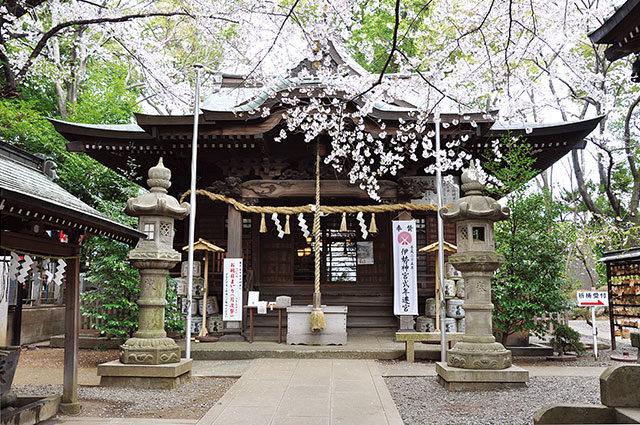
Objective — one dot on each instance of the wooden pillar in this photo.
(69, 404)
(234, 233)
(17, 314)
(4, 299)
(233, 329)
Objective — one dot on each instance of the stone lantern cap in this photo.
(157, 201)
(474, 205)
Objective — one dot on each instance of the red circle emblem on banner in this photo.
(404, 238)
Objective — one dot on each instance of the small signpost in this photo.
(593, 299)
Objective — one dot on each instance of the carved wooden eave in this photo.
(621, 30)
(274, 189)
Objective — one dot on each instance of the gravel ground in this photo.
(54, 357)
(189, 401)
(424, 401)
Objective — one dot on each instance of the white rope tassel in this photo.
(363, 225)
(303, 225)
(279, 228)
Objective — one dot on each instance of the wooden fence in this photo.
(561, 318)
(87, 322)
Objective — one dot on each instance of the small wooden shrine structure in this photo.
(238, 157)
(41, 220)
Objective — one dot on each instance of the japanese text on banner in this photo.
(405, 288)
(232, 290)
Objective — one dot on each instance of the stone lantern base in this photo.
(479, 355)
(151, 351)
(163, 376)
(457, 379)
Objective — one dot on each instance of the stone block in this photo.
(456, 379)
(298, 331)
(575, 414)
(165, 376)
(635, 339)
(30, 410)
(619, 386)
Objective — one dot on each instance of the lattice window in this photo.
(165, 230)
(463, 232)
(149, 229)
(341, 255)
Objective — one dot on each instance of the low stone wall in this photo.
(38, 323)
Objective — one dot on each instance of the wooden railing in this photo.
(560, 317)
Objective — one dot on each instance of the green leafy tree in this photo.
(531, 281)
(113, 302)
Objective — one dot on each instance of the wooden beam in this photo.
(69, 404)
(38, 245)
(234, 233)
(306, 188)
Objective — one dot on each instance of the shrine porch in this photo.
(361, 344)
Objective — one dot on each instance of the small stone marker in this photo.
(619, 386)
(635, 341)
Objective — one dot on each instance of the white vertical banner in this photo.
(232, 290)
(405, 276)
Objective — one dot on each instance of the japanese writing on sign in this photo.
(405, 288)
(232, 289)
(593, 298)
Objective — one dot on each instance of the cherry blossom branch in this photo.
(275, 40)
(79, 22)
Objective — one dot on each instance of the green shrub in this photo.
(567, 339)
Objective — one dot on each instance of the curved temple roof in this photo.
(232, 126)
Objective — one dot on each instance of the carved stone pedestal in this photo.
(163, 376)
(457, 379)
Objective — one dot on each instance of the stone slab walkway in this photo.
(404, 369)
(88, 420)
(307, 391)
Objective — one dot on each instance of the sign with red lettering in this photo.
(232, 290)
(593, 298)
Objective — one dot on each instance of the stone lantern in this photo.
(477, 361)
(154, 257)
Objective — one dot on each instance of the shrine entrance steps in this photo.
(370, 310)
(360, 345)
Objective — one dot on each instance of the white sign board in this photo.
(232, 290)
(593, 298)
(405, 276)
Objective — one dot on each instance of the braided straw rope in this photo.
(307, 209)
(316, 232)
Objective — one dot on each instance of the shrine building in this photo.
(239, 158)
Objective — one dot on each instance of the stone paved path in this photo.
(307, 391)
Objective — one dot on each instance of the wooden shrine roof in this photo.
(237, 140)
(621, 30)
(28, 192)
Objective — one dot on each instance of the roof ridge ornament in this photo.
(157, 201)
(159, 178)
(471, 181)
